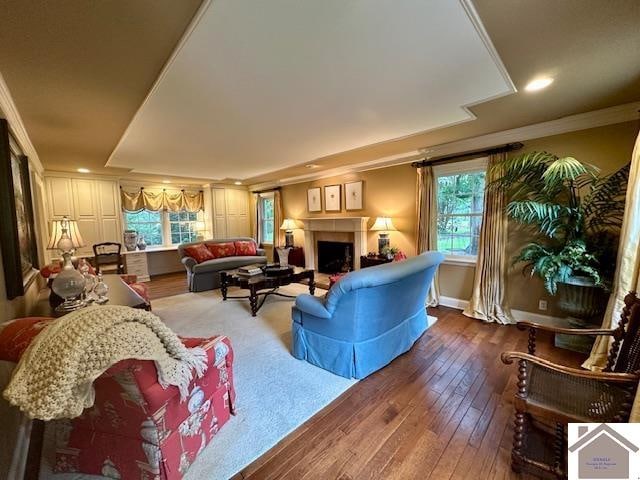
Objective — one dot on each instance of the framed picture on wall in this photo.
(332, 198)
(353, 195)
(17, 231)
(314, 202)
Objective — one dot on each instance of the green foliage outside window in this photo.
(147, 224)
(183, 226)
(460, 204)
(267, 219)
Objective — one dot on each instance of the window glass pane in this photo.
(460, 202)
(147, 224)
(183, 226)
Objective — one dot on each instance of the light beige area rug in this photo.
(275, 392)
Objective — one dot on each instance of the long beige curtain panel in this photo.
(172, 201)
(627, 277)
(488, 300)
(427, 233)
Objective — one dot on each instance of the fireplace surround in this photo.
(340, 229)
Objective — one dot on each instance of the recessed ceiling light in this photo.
(312, 165)
(166, 181)
(538, 84)
(84, 170)
(237, 183)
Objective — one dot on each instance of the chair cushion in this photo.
(16, 335)
(200, 253)
(222, 249)
(227, 263)
(246, 248)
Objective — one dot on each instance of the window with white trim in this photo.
(183, 226)
(266, 217)
(460, 198)
(164, 228)
(147, 224)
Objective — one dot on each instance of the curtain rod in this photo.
(267, 190)
(165, 189)
(509, 147)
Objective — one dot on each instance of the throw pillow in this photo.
(16, 335)
(246, 247)
(199, 253)
(222, 249)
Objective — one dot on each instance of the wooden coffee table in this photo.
(263, 285)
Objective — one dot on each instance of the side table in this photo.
(366, 261)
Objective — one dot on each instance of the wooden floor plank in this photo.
(443, 410)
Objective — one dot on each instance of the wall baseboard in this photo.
(518, 315)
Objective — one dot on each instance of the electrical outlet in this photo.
(542, 304)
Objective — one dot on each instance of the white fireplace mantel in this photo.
(355, 225)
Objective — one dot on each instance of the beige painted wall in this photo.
(388, 192)
(20, 306)
(391, 192)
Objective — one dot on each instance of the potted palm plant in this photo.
(574, 216)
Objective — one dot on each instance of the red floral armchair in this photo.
(137, 429)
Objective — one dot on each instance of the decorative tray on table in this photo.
(276, 270)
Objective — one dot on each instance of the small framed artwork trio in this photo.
(353, 197)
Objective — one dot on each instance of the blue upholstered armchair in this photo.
(368, 318)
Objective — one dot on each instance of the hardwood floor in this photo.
(441, 411)
(167, 285)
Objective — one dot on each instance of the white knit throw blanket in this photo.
(54, 378)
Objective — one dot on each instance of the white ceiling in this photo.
(258, 86)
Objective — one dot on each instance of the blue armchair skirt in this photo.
(359, 359)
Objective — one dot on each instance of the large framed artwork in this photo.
(353, 195)
(314, 203)
(332, 198)
(17, 232)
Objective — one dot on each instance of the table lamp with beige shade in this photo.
(383, 225)
(69, 283)
(288, 225)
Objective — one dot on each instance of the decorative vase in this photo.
(130, 240)
(101, 289)
(283, 256)
(141, 243)
(69, 284)
(584, 303)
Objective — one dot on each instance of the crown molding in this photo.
(598, 118)
(389, 161)
(475, 20)
(572, 123)
(10, 112)
(163, 72)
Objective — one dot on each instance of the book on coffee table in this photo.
(249, 270)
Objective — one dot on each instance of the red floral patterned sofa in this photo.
(136, 429)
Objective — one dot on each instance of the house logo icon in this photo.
(601, 451)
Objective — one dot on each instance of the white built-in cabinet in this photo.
(230, 212)
(93, 203)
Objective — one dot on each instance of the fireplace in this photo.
(334, 257)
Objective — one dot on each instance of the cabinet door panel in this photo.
(107, 198)
(59, 194)
(90, 234)
(110, 231)
(219, 213)
(84, 198)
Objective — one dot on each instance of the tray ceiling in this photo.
(260, 86)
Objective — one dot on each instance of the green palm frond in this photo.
(549, 217)
(604, 206)
(566, 169)
(527, 167)
(575, 213)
